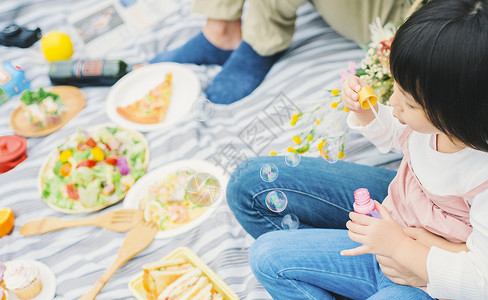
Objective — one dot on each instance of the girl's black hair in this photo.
(440, 57)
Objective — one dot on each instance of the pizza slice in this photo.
(151, 108)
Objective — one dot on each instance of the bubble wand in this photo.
(367, 99)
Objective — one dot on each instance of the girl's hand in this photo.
(398, 273)
(349, 96)
(378, 236)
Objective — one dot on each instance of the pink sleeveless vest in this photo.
(411, 205)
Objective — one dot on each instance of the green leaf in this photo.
(30, 97)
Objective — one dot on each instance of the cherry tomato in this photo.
(72, 191)
(90, 163)
(111, 160)
(90, 142)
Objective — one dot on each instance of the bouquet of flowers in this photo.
(324, 129)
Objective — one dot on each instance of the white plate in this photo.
(136, 84)
(139, 190)
(48, 282)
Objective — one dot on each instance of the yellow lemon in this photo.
(56, 46)
(7, 220)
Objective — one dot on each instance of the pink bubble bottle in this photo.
(363, 204)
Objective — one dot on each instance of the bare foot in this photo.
(225, 35)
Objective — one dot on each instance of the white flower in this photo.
(380, 33)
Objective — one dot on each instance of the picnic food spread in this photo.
(93, 168)
(151, 108)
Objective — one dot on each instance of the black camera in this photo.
(14, 35)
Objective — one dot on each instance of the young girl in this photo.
(432, 238)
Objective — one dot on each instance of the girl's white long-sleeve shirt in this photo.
(462, 275)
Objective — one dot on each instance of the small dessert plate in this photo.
(48, 282)
(73, 100)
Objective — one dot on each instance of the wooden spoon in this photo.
(117, 220)
(136, 240)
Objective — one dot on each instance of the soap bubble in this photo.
(293, 159)
(276, 201)
(269, 172)
(290, 222)
(202, 109)
(331, 149)
(203, 189)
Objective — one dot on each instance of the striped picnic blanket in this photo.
(79, 256)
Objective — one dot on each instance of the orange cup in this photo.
(366, 93)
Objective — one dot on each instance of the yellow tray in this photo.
(135, 285)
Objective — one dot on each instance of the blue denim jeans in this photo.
(306, 263)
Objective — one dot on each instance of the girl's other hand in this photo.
(349, 94)
(398, 273)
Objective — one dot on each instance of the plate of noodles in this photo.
(178, 196)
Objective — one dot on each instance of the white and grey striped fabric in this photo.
(79, 256)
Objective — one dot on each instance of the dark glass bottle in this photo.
(87, 72)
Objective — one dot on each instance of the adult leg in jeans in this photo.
(306, 264)
(320, 194)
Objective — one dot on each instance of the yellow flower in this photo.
(272, 153)
(291, 149)
(297, 140)
(334, 104)
(309, 137)
(335, 92)
(320, 145)
(317, 122)
(345, 109)
(294, 120)
(341, 154)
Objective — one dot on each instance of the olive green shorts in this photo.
(269, 25)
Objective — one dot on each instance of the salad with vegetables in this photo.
(93, 169)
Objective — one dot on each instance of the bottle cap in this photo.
(362, 201)
(13, 150)
(366, 93)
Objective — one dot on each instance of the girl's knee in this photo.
(262, 253)
(245, 176)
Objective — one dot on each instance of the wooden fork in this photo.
(136, 240)
(117, 220)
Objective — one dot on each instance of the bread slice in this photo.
(180, 286)
(159, 275)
